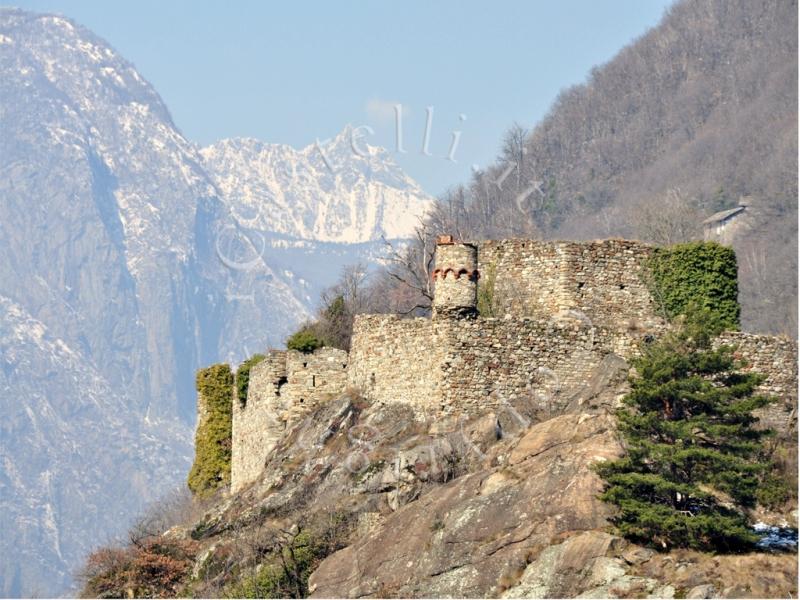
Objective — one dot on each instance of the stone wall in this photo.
(313, 378)
(524, 363)
(283, 388)
(603, 280)
(776, 358)
(564, 309)
(257, 426)
(393, 359)
(449, 366)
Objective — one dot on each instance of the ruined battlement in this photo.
(552, 316)
(283, 388)
(605, 280)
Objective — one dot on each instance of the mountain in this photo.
(75, 463)
(340, 191)
(128, 261)
(701, 108)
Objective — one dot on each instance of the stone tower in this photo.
(455, 278)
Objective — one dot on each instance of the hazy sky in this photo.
(291, 72)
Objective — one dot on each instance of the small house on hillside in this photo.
(722, 226)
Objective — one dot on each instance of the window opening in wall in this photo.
(581, 284)
(305, 365)
(313, 381)
(281, 382)
(302, 400)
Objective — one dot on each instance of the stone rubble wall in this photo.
(393, 359)
(313, 378)
(776, 358)
(449, 366)
(283, 388)
(256, 424)
(494, 363)
(603, 280)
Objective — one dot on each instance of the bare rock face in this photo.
(590, 564)
(459, 509)
(476, 535)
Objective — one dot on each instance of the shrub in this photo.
(486, 292)
(212, 448)
(692, 452)
(286, 572)
(305, 340)
(243, 376)
(700, 275)
(284, 560)
(773, 492)
(156, 568)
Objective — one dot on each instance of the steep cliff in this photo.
(367, 500)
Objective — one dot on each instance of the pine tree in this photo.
(692, 461)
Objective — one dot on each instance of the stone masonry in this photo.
(283, 388)
(560, 309)
(775, 358)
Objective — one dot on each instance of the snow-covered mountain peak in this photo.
(122, 269)
(338, 190)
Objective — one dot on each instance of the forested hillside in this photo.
(685, 121)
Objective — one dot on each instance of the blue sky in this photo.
(292, 72)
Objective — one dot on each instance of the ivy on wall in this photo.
(243, 376)
(696, 274)
(212, 448)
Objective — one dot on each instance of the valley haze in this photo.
(134, 258)
(114, 228)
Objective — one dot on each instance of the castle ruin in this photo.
(558, 310)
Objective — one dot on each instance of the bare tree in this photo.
(349, 296)
(670, 219)
(176, 507)
(411, 265)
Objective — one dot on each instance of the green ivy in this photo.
(701, 275)
(243, 376)
(212, 448)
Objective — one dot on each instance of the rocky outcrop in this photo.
(476, 535)
(491, 506)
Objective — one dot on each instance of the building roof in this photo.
(723, 214)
